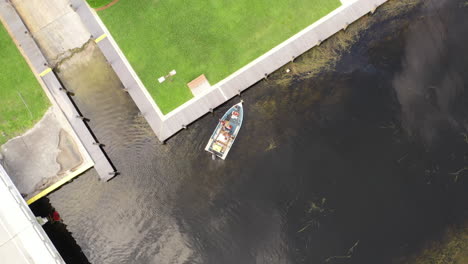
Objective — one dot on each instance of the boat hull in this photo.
(226, 132)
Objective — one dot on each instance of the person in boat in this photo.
(225, 126)
(226, 135)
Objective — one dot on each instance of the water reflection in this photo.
(322, 170)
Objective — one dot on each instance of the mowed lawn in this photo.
(98, 3)
(22, 100)
(194, 37)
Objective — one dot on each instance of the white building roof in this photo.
(22, 239)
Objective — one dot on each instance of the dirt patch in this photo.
(107, 6)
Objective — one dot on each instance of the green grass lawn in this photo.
(194, 37)
(98, 3)
(17, 83)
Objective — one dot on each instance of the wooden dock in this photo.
(164, 126)
(54, 89)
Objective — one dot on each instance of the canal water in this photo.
(348, 155)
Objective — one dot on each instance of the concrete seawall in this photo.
(165, 126)
(58, 95)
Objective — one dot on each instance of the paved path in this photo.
(39, 64)
(165, 126)
(44, 155)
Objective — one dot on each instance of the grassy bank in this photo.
(22, 100)
(214, 38)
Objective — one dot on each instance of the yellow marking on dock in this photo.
(58, 184)
(103, 36)
(46, 71)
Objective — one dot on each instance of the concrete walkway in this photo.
(22, 239)
(33, 55)
(44, 155)
(165, 126)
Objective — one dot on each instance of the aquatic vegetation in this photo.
(458, 173)
(271, 145)
(348, 255)
(323, 58)
(452, 249)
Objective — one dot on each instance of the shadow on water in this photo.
(347, 158)
(59, 235)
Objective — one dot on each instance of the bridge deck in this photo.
(22, 239)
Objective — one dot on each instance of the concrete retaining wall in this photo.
(167, 125)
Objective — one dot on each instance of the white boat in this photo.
(226, 132)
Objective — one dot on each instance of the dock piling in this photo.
(99, 144)
(113, 173)
(82, 118)
(66, 91)
(345, 26)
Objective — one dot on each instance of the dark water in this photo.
(58, 234)
(349, 165)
